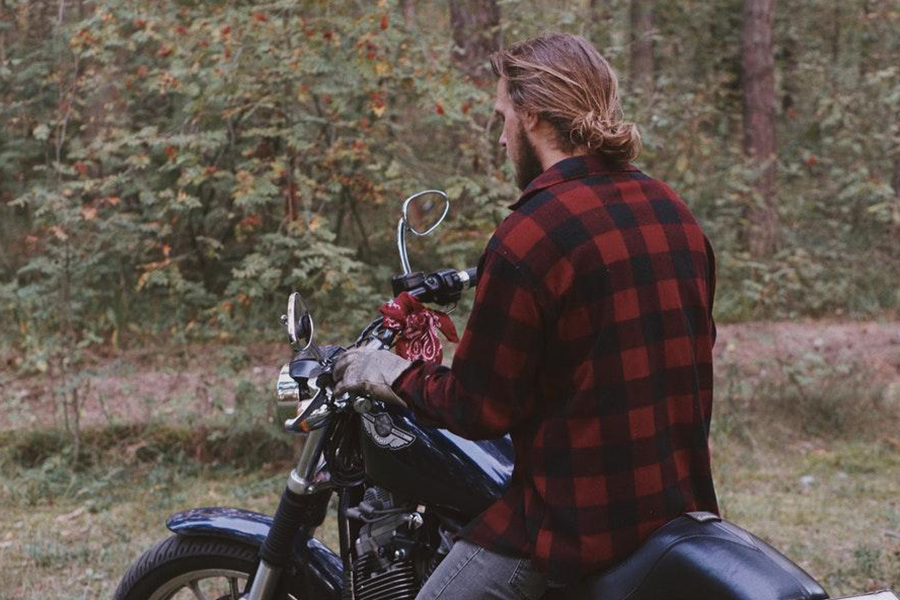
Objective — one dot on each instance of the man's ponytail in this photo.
(618, 139)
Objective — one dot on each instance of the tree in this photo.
(758, 82)
(408, 8)
(596, 25)
(475, 28)
(640, 65)
(895, 180)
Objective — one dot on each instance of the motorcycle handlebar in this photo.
(445, 286)
(441, 287)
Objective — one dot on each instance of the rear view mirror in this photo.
(299, 323)
(422, 213)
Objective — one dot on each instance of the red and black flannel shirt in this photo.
(590, 342)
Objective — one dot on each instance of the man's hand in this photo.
(368, 371)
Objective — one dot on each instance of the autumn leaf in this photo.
(382, 68)
(149, 269)
(59, 233)
(251, 222)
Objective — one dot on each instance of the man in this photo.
(590, 342)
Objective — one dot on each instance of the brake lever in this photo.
(319, 409)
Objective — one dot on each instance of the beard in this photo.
(526, 163)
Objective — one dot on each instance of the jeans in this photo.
(470, 572)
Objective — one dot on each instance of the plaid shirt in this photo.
(590, 342)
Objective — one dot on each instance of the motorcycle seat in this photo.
(699, 556)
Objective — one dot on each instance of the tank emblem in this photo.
(382, 431)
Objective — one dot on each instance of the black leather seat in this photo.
(699, 556)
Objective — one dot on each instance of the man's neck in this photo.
(551, 156)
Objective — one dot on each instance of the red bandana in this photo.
(417, 326)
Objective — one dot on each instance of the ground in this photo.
(806, 454)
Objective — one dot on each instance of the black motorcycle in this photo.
(403, 490)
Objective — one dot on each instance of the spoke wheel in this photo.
(207, 584)
(193, 568)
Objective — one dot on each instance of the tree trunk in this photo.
(408, 8)
(640, 65)
(476, 34)
(758, 81)
(598, 24)
(895, 181)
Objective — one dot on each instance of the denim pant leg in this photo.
(470, 572)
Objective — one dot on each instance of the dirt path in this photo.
(175, 384)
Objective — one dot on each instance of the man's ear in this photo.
(530, 120)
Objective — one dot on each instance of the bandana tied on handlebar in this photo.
(417, 328)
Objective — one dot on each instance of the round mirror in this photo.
(423, 212)
(299, 323)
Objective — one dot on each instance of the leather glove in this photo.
(369, 371)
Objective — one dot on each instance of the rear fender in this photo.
(322, 567)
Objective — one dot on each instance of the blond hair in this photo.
(564, 80)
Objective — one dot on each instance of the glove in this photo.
(368, 371)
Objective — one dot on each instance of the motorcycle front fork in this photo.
(294, 511)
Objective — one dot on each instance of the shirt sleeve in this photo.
(711, 283)
(491, 386)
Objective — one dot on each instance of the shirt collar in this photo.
(572, 167)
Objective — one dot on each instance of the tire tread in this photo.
(175, 549)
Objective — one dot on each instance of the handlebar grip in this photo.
(445, 286)
(472, 274)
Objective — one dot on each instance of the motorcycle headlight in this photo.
(287, 389)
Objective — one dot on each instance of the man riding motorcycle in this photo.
(589, 342)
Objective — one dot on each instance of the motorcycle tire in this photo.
(194, 567)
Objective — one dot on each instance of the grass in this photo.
(806, 457)
(72, 547)
(833, 508)
(828, 506)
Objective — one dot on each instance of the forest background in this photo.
(171, 170)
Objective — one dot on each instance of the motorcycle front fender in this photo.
(322, 567)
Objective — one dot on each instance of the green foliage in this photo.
(176, 169)
(173, 169)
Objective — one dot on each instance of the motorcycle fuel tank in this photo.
(434, 466)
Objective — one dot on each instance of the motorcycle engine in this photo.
(384, 568)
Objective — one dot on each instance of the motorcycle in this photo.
(403, 490)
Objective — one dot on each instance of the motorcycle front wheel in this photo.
(192, 568)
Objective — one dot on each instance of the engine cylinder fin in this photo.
(372, 583)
